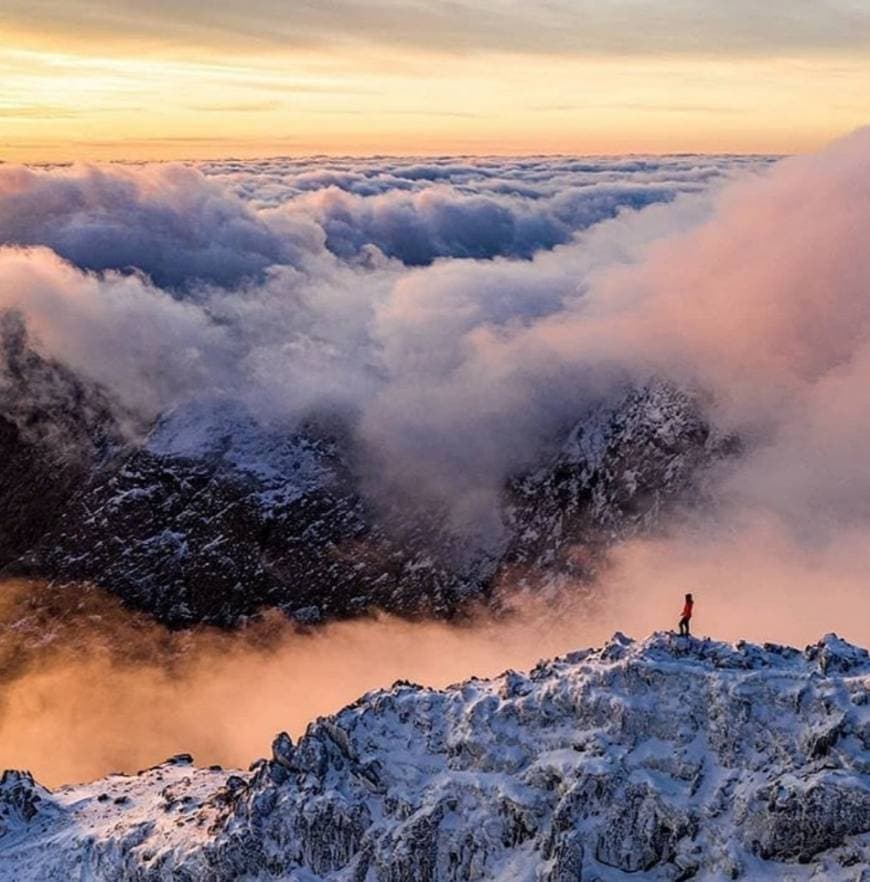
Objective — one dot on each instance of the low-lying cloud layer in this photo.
(224, 222)
(356, 286)
(295, 284)
(460, 372)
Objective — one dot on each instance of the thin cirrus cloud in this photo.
(617, 27)
(36, 111)
(349, 77)
(245, 107)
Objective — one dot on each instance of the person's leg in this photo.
(684, 627)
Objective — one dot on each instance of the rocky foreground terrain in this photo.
(209, 514)
(670, 759)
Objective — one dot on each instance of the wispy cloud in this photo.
(640, 107)
(350, 111)
(37, 111)
(240, 107)
(587, 27)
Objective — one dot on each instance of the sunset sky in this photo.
(133, 79)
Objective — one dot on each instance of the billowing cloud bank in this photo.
(357, 286)
(183, 226)
(351, 285)
(287, 283)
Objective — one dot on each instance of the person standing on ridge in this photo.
(686, 616)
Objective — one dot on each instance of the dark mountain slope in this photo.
(213, 514)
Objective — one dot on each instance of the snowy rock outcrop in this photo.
(671, 759)
(617, 473)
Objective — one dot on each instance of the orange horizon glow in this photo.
(60, 101)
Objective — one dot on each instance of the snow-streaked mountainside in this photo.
(669, 759)
(211, 513)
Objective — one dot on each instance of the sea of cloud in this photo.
(459, 313)
(380, 288)
(222, 222)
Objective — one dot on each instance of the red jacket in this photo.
(687, 609)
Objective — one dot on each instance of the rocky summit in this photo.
(669, 759)
(208, 513)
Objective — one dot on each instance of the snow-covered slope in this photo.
(669, 759)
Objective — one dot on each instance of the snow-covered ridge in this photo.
(668, 759)
(284, 465)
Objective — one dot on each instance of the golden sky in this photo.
(117, 79)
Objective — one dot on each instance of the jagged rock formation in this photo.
(213, 514)
(617, 473)
(671, 759)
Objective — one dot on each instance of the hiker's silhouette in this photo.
(686, 616)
